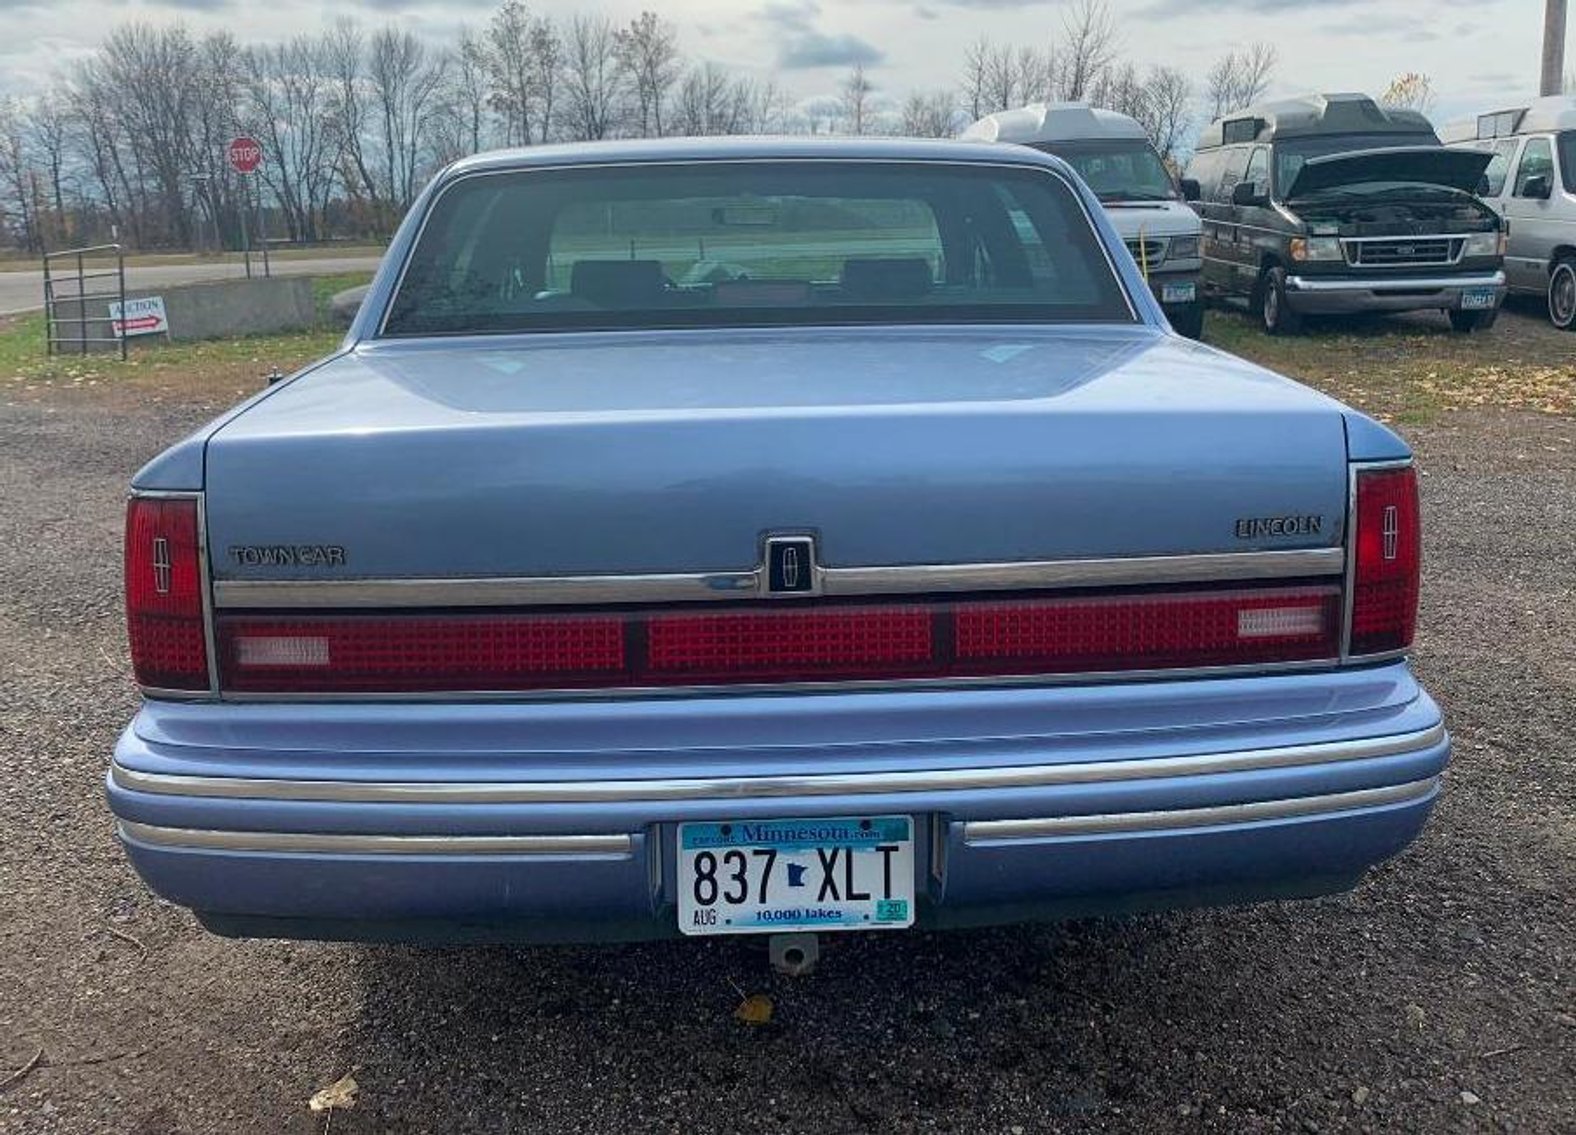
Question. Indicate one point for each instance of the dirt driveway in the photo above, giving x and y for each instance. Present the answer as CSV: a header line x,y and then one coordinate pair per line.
x,y
1439,996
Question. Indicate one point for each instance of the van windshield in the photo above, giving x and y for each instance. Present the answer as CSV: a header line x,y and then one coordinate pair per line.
x,y
714,243
1293,152
1117,169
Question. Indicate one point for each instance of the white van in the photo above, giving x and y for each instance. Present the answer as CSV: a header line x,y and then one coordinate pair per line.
x,y
1531,182
1112,153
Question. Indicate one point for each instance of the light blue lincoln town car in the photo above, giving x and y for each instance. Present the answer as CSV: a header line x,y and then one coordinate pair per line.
x,y
771,536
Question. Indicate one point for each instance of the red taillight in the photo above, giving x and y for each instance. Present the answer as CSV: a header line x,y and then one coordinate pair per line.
x,y
1150,632
164,609
401,653
827,642
1386,576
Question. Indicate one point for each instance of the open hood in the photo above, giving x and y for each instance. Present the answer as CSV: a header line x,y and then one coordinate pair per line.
x,y
1419,165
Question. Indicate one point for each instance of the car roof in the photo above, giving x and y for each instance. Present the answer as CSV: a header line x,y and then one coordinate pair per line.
x,y
1054,122
749,148
1540,116
1308,116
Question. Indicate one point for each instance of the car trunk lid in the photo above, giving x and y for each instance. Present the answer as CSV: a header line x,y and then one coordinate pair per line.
x,y
678,452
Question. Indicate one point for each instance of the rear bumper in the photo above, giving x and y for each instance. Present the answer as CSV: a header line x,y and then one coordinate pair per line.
x,y
556,822
1338,295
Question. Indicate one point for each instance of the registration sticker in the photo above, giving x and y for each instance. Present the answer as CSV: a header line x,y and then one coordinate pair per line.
x,y
775,876
1178,293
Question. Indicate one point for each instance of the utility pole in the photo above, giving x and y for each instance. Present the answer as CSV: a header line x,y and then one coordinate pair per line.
x,y
1553,82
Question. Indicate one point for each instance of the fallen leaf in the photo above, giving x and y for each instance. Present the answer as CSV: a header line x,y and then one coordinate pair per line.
x,y
755,1009
342,1093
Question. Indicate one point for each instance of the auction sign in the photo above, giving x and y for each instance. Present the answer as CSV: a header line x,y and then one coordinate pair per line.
x,y
244,154
139,317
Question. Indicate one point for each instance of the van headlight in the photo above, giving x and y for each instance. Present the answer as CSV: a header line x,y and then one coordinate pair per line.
x,y
1183,248
1316,248
1485,244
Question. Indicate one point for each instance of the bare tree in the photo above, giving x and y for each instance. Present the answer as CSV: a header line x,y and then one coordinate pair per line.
x,y
649,55
290,94
461,120
929,115
1089,48
1168,114
1239,78
509,58
547,67
709,102
404,84
1119,88
593,80
344,53
855,97
48,126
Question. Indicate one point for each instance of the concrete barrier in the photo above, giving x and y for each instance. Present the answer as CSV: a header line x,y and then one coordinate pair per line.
x,y
217,309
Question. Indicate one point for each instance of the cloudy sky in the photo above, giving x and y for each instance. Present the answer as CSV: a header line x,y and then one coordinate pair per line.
x,y
1478,52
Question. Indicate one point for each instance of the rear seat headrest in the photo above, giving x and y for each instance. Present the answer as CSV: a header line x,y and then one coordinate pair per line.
x,y
617,283
887,279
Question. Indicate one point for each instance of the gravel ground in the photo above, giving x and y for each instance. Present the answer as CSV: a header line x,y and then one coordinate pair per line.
x,y
1439,996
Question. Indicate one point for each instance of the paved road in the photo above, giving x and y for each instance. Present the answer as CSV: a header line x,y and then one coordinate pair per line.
x,y
24,291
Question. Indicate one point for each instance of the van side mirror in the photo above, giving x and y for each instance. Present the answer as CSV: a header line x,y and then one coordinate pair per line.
x,y
1190,189
1539,186
1249,193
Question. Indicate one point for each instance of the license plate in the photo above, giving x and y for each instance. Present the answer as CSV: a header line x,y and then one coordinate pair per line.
x,y
1476,299
774,876
1177,293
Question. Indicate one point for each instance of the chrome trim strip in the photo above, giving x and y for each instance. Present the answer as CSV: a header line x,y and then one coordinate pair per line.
x,y
979,832
355,844
763,787
532,591
829,686
1399,283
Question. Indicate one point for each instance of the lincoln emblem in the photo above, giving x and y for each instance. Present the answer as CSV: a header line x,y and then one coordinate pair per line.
x,y
790,565
790,568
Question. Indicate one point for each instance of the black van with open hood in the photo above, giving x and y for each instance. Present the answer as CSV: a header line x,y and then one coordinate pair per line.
x,y
1332,204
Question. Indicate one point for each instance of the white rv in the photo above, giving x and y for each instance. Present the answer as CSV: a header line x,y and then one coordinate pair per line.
x,y
1531,182
1112,153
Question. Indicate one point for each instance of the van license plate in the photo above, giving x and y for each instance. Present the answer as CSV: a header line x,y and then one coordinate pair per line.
x,y
1177,293
1477,299
773,876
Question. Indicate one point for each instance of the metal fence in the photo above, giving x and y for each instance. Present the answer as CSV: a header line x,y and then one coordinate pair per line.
x,y
77,281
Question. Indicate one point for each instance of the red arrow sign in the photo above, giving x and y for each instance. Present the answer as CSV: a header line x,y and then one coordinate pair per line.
x,y
138,323
244,154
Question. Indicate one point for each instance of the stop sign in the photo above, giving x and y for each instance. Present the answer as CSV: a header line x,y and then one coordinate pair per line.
x,y
245,154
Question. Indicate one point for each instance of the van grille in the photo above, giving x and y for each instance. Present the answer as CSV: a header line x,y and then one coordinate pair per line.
x,y
1404,251
1151,249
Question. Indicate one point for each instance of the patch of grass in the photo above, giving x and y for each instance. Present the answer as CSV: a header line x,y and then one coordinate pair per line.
x,y
1409,370
225,362
325,288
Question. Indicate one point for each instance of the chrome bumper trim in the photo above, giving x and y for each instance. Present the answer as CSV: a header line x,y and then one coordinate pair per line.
x,y
1392,284
765,787
912,579
1009,831
196,839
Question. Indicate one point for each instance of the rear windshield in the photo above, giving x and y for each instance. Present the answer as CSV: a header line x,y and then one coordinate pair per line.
x,y
1117,170
737,244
